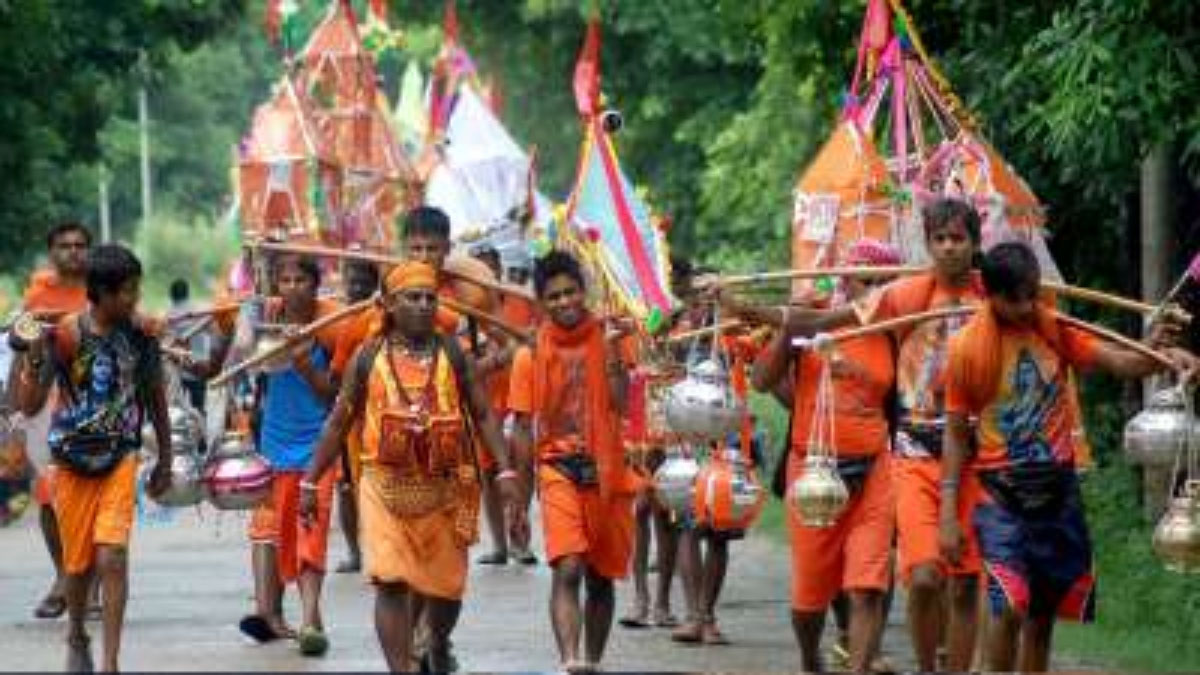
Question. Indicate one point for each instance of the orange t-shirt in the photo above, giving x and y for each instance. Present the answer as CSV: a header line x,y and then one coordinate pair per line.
x,y
861,378
47,293
568,434
1030,418
921,358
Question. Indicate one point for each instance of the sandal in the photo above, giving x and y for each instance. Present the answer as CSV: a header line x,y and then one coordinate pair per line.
x,y
689,633
638,617
349,566
313,641
526,557
51,607
79,654
261,630
663,618
495,558
711,635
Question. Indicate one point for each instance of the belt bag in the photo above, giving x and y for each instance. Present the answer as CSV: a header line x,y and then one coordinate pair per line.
x,y
91,454
854,472
579,469
1029,489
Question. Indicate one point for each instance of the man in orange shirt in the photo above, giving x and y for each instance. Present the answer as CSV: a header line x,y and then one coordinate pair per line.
x,y
52,292
952,238
854,553
1009,370
572,385
413,390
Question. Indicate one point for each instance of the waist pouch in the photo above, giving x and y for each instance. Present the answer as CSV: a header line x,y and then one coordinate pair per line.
x,y
579,469
1030,489
91,454
854,472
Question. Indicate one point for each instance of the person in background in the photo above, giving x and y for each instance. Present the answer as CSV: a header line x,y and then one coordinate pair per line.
x,y
52,292
362,281
198,344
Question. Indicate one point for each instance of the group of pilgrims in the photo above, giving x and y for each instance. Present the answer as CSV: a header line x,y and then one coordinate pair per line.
x,y
956,438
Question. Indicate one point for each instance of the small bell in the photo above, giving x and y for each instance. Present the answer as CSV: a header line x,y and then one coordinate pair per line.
x,y
1177,536
818,495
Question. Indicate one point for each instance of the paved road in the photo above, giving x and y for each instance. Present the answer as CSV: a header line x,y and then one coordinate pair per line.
x,y
191,582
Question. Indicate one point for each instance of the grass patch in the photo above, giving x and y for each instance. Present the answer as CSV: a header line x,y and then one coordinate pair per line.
x,y
772,418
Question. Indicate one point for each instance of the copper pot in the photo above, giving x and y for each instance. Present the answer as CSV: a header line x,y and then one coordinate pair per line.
x,y
819,495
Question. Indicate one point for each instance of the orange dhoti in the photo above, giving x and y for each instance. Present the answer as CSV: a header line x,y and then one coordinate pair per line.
x,y
426,553
918,503
94,511
853,554
578,521
278,522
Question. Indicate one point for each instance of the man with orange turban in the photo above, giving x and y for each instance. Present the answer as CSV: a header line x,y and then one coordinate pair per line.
x,y
419,402
572,385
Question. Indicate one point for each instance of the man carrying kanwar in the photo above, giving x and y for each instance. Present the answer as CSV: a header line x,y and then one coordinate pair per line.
x,y
107,365
571,386
420,402
1008,371
53,291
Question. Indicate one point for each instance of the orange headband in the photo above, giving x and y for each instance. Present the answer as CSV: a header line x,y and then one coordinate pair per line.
x,y
410,275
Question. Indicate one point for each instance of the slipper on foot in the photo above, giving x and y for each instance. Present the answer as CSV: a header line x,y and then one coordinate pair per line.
x,y
51,607
312,641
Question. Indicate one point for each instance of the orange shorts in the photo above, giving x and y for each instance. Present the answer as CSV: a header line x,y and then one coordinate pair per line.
x,y
278,522
94,511
43,487
853,554
918,501
578,521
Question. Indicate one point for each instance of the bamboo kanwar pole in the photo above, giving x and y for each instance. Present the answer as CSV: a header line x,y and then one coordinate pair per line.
x,y
384,259
1098,297
707,330
1113,336
880,327
347,312
861,272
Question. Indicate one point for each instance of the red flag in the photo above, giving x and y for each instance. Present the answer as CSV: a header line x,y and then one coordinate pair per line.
x,y
379,9
273,19
587,72
450,24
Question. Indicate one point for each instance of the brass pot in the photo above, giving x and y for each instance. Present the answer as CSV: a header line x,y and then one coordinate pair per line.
x,y
1177,536
818,496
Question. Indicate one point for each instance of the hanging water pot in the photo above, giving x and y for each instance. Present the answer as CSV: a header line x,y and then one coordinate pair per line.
x,y
1177,535
702,406
237,477
728,494
1156,435
675,481
819,495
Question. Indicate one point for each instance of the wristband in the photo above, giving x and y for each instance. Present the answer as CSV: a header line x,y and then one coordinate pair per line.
x,y
506,474
307,486
949,483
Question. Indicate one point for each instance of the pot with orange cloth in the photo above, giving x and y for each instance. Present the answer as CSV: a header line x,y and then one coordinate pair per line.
x,y
728,495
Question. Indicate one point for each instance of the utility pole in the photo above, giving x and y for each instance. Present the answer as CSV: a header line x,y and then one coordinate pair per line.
x,y
144,133
105,223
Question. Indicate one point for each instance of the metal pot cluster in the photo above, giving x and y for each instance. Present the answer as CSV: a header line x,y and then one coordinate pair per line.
x,y
1157,434
818,495
187,437
702,407
236,477
1177,536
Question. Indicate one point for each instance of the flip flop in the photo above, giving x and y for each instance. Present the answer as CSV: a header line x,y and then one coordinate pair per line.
x,y
257,628
713,635
635,619
689,633
526,558
349,566
493,559
665,619
51,607
312,641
